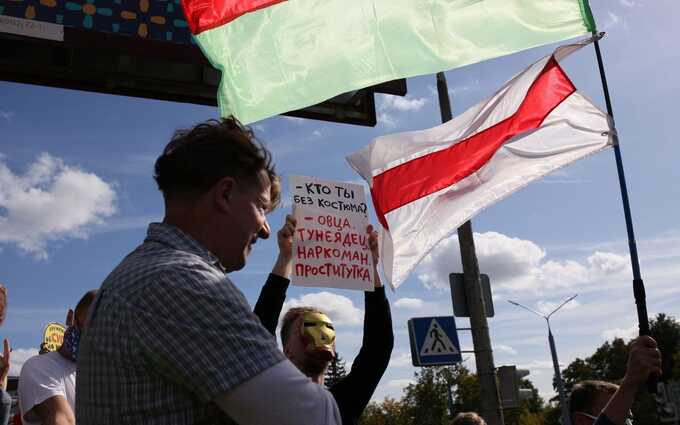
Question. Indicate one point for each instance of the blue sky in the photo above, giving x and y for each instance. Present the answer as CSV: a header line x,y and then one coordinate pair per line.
x,y
76,194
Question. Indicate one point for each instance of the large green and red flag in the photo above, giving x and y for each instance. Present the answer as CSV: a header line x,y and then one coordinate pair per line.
x,y
281,55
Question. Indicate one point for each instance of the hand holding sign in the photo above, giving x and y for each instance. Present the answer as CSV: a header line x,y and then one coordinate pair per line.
x,y
330,246
375,253
284,263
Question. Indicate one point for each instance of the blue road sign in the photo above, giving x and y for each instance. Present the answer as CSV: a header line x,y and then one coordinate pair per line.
x,y
434,341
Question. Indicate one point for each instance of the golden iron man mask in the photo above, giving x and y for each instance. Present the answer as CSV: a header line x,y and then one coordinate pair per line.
x,y
318,334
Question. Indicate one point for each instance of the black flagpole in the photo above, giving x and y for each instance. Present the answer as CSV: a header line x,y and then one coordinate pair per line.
x,y
638,284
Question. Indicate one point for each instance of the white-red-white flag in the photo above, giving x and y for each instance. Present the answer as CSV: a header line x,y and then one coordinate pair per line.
x,y
425,184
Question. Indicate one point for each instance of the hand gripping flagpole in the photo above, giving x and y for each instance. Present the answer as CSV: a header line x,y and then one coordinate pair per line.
x,y
638,284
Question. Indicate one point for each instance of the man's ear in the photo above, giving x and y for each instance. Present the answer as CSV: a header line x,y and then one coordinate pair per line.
x,y
223,193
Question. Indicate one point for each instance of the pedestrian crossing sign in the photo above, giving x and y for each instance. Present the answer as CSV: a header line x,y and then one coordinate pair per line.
x,y
434,341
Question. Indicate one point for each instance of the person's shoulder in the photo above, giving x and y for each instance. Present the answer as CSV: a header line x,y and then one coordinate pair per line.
x,y
50,364
152,262
53,358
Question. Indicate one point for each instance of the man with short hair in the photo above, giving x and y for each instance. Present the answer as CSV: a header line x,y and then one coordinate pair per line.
x,y
468,418
603,403
588,398
171,339
47,385
308,335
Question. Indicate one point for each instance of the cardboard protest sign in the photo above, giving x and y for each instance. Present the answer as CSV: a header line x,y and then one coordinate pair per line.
x,y
330,247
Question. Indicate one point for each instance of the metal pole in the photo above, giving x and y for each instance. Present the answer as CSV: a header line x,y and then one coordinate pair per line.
x,y
566,420
638,284
490,408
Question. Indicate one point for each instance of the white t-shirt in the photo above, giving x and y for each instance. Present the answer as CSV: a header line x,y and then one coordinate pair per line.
x,y
42,377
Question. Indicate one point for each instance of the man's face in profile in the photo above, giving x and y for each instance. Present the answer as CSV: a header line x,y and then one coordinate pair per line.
x,y
248,205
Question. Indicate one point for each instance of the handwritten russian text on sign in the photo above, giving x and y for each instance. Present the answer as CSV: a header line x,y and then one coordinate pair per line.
x,y
330,247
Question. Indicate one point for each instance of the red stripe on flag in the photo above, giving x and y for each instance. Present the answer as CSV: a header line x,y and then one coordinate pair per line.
x,y
203,15
430,173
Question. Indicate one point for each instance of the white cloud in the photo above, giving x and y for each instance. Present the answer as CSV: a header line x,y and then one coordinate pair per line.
x,y
6,115
546,307
516,264
339,308
629,3
625,333
608,263
408,303
389,102
470,85
539,364
387,120
400,383
317,133
50,201
506,349
260,127
611,21
400,360
18,357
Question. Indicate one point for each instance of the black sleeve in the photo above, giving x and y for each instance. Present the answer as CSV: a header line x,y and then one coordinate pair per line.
x,y
269,304
354,391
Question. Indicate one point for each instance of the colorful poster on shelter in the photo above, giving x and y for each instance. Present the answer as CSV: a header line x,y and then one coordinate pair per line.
x,y
330,247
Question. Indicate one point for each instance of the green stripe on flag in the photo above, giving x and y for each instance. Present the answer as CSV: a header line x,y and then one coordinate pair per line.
x,y
301,52
587,15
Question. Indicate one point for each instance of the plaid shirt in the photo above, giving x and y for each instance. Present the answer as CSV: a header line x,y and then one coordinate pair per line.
x,y
167,334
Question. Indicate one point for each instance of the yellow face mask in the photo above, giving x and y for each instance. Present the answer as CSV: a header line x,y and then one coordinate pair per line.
x,y
318,333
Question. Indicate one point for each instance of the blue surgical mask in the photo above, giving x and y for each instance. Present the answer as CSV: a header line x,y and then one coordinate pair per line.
x,y
71,342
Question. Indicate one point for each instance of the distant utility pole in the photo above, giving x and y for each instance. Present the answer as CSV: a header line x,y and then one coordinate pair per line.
x,y
489,399
553,352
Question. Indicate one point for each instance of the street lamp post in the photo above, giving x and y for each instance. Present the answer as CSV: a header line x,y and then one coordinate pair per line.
x,y
553,352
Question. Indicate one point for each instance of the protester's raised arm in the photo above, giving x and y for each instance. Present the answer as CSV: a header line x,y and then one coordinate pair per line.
x,y
281,395
284,263
273,294
644,359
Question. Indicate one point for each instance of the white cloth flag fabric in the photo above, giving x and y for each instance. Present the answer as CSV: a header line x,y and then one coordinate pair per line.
x,y
425,184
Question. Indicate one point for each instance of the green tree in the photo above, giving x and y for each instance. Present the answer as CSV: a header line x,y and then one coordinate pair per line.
x,y
335,372
425,402
666,332
389,412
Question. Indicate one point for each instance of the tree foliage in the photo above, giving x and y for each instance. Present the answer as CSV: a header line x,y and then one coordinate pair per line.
x,y
335,372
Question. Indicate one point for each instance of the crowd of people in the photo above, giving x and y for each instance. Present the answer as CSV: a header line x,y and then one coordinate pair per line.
x,y
169,339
